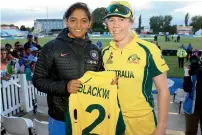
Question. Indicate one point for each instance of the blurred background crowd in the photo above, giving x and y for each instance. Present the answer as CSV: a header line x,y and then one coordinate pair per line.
x,y
20,59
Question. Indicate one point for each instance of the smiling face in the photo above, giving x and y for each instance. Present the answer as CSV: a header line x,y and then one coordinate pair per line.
x,y
8,47
3,54
119,27
17,46
78,24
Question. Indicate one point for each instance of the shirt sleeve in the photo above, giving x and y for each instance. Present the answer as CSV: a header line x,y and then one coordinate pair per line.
x,y
158,64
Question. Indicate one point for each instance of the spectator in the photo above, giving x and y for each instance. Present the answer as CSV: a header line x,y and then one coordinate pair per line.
x,y
193,101
36,41
189,51
16,54
155,38
21,51
178,38
27,58
8,47
13,66
166,37
99,44
27,52
9,56
32,65
183,47
3,56
172,37
29,43
33,54
24,54
195,52
21,59
28,72
17,45
4,62
181,54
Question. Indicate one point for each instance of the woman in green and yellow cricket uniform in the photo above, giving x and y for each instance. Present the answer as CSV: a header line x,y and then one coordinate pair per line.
x,y
137,63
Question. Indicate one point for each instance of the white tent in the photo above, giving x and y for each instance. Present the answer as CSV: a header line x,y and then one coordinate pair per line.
x,y
199,32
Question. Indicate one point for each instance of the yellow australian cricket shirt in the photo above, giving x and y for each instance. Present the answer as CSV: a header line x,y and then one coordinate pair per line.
x,y
94,109
136,64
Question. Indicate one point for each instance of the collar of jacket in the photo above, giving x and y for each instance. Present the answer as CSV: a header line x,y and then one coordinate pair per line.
x,y
63,35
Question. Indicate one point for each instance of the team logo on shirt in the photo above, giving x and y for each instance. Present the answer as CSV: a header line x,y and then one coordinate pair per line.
x,y
110,61
134,59
94,54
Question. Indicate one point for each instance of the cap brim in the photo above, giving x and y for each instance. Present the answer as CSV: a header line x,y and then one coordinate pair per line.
x,y
116,14
34,50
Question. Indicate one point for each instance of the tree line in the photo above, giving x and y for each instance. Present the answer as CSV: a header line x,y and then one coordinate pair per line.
x,y
163,23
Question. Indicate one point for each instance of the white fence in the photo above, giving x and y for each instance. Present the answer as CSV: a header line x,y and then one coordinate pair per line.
x,y
17,95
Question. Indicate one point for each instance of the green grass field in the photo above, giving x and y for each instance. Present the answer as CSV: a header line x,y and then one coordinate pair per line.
x,y
171,60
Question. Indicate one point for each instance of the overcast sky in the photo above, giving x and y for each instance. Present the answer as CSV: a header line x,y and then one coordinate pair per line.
x,y
24,12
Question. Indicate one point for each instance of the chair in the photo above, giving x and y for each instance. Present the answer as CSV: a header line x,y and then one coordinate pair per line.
x,y
40,127
17,125
42,106
178,97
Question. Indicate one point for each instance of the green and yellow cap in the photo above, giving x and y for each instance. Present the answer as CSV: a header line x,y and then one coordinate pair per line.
x,y
119,8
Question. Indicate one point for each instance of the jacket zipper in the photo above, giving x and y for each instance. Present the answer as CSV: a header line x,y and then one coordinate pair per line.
x,y
81,61
80,58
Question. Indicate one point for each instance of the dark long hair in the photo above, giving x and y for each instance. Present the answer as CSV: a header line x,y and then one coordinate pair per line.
x,y
78,5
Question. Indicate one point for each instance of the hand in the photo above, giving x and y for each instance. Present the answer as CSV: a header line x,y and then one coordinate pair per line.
x,y
115,81
186,67
26,62
186,70
5,78
73,86
159,131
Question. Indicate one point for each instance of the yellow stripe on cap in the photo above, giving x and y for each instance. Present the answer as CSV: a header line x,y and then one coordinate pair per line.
x,y
124,3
